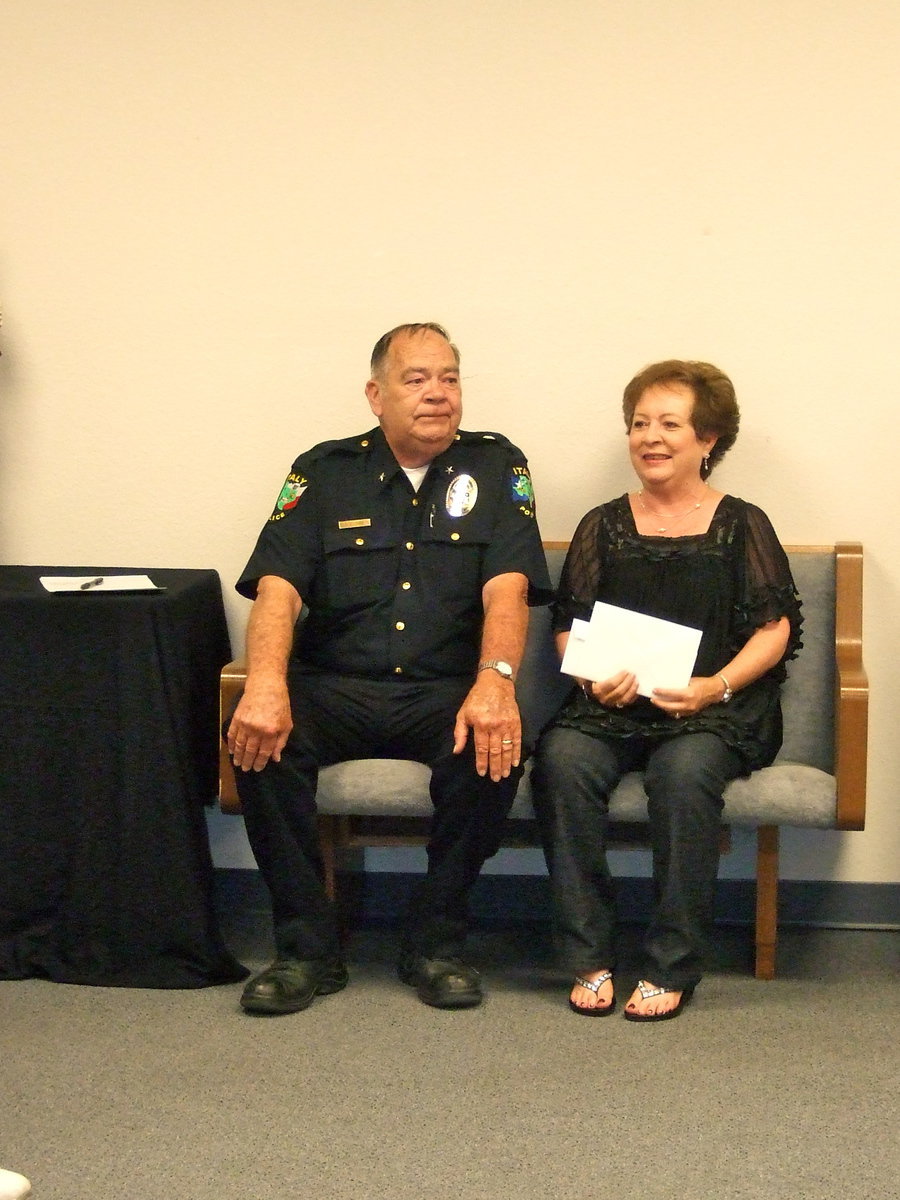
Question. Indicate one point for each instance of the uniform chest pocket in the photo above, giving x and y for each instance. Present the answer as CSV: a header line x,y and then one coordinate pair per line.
x,y
360,564
454,547
473,529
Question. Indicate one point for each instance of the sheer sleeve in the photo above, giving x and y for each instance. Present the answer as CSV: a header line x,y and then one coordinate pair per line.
x,y
769,591
580,576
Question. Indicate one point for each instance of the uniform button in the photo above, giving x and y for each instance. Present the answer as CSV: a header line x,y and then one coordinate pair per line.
x,y
410,545
360,541
406,585
454,537
364,442
400,625
415,501
398,670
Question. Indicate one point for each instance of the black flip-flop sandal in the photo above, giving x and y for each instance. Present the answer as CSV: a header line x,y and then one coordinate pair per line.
x,y
593,985
648,992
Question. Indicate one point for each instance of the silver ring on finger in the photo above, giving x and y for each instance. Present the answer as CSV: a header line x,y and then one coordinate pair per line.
x,y
506,742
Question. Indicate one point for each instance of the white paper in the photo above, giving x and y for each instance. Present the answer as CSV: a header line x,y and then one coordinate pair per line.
x,y
109,583
660,653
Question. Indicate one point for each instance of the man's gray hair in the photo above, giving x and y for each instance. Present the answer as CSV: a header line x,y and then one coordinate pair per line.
x,y
383,345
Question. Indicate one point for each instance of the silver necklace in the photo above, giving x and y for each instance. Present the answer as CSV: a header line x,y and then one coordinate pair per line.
x,y
674,520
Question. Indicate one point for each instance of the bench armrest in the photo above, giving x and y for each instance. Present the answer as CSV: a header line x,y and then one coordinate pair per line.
x,y
234,676
851,701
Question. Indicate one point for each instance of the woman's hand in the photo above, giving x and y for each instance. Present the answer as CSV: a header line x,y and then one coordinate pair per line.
x,y
615,692
762,650
702,691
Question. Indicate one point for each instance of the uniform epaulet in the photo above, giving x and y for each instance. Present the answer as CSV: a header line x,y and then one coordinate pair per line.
x,y
357,444
470,437
485,438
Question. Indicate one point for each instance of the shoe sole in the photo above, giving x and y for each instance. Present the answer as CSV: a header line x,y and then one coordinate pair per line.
x,y
325,987
602,1010
439,999
450,1000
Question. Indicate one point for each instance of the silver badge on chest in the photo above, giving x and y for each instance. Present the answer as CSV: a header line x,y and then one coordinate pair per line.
x,y
461,496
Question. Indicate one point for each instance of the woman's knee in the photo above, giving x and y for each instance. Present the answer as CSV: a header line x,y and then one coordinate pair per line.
x,y
691,768
565,758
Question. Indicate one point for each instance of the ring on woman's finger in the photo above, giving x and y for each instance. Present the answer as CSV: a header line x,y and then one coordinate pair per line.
x,y
506,742
620,705
677,716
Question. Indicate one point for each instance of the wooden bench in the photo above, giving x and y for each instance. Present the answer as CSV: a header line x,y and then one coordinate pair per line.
x,y
818,780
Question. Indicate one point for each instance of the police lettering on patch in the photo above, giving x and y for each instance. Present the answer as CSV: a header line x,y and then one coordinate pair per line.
x,y
294,487
522,490
461,496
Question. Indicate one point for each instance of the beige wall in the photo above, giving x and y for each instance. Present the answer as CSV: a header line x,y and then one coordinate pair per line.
x,y
211,208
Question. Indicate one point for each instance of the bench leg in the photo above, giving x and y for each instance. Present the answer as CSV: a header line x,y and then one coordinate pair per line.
x,y
766,900
327,840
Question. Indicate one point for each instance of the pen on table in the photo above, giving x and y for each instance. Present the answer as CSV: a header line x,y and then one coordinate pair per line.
x,y
92,583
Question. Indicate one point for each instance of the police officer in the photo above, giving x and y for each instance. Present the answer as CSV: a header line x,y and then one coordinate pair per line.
x,y
414,552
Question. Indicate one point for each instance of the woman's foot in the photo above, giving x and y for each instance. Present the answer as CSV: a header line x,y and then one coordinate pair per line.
x,y
651,1003
592,994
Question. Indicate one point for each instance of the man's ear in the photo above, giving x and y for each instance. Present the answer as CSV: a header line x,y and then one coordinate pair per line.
x,y
373,395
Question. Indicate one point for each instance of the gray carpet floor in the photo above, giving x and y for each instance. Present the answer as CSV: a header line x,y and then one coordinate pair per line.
x,y
780,1089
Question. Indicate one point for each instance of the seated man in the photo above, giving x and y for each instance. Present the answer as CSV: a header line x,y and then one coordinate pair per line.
x,y
415,549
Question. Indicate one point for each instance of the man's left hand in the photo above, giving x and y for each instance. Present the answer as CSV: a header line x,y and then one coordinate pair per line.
x,y
491,712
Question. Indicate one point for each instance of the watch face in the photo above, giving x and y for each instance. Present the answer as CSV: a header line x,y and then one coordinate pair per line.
x,y
498,665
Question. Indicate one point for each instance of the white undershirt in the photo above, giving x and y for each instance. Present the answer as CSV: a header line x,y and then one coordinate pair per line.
x,y
415,475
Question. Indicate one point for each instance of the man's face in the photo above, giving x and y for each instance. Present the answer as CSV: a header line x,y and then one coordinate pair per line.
x,y
417,397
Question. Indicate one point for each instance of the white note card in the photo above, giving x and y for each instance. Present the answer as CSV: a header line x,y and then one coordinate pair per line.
x,y
99,583
660,653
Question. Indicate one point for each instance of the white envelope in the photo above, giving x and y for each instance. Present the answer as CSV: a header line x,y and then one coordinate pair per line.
x,y
660,653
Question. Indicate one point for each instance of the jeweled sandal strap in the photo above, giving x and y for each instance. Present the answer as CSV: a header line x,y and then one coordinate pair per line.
x,y
594,985
648,992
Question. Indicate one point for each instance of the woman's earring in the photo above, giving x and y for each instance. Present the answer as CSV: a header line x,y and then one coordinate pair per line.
x,y
705,465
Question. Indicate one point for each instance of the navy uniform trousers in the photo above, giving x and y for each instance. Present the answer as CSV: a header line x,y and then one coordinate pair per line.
x,y
337,718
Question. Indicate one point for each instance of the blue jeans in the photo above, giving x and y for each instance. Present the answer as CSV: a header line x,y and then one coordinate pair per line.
x,y
684,777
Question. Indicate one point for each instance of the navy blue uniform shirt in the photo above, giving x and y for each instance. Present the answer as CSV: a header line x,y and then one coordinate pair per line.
x,y
392,578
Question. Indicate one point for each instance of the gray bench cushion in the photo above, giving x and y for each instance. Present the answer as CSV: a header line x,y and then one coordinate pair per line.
x,y
798,789
786,794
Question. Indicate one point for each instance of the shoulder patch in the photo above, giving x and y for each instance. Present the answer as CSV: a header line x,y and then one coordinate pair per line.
x,y
522,489
294,487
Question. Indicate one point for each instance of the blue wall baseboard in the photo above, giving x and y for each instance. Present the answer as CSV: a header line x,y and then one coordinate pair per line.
x,y
377,897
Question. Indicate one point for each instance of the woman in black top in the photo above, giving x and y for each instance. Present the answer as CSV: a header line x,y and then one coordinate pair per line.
x,y
680,550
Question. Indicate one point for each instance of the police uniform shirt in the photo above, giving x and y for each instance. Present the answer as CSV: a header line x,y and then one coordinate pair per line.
x,y
393,577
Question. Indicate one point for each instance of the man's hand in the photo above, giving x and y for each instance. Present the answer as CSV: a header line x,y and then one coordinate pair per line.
x,y
491,712
260,726
262,720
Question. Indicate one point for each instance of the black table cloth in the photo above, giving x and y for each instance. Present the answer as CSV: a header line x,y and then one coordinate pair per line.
x,y
108,754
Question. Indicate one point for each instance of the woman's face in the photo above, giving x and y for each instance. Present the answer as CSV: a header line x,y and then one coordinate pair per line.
x,y
663,444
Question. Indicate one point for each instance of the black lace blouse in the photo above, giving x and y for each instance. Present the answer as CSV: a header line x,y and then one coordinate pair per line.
x,y
729,582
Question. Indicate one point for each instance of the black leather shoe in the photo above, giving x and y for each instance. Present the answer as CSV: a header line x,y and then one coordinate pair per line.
x,y
291,985
442,982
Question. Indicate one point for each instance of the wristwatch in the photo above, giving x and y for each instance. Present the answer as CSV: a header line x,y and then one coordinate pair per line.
x,y
498,665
